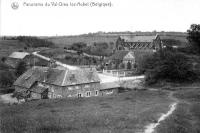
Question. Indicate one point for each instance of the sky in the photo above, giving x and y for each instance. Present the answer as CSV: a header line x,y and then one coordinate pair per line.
x,y
123,15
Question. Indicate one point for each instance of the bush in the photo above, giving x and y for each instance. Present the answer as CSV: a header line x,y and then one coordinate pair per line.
x,y
172,66
6,78
35,42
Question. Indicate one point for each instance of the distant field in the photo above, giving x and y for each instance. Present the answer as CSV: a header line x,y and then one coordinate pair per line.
x,y
63,41
9,46
69,40
124,113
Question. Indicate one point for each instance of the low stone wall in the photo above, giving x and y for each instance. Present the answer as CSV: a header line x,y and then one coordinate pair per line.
x,y
119,73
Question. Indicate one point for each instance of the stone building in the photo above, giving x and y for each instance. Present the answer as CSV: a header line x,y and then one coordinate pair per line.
x,y
134,42
45,82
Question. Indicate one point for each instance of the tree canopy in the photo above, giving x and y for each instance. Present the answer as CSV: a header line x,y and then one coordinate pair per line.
x,y
173,66
6,78
194,36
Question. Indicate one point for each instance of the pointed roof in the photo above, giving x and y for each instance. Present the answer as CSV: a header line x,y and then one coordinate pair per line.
x,y
119,55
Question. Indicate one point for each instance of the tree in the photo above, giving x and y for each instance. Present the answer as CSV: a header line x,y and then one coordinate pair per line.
x,y
6,78
173,67
129,66
21,68
121,65
3,59
194,36
79,46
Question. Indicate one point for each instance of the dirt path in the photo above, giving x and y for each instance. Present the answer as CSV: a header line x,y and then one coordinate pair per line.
x,y
152,126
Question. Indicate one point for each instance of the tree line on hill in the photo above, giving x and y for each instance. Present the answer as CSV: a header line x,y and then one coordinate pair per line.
x,y
97,48
35,42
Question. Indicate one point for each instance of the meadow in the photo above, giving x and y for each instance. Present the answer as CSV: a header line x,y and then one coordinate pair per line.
x,y
186,118
89,39
122,113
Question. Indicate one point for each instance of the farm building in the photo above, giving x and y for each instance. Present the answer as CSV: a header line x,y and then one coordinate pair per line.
x,y
13,59
45,82
134,42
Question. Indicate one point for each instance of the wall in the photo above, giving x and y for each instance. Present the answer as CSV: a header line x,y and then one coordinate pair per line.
x,y
71,91
106,92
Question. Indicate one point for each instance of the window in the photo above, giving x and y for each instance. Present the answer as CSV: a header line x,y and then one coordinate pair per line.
x,y
79,95
88,93
96,93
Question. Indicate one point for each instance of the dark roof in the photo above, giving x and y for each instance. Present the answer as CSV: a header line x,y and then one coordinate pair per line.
x,y
59,77
134,38
109,85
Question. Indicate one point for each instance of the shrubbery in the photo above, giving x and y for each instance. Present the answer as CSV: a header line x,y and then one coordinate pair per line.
x,y
172,66
6,78
35,42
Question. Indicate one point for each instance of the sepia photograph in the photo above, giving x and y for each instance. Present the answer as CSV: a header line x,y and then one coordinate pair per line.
x,y
99,66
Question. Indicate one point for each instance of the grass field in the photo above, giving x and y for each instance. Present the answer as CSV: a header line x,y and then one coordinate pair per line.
x,y
9,46
186,118
63,41
124,113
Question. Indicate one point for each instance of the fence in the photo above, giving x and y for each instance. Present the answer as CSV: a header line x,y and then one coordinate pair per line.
x,y
119,73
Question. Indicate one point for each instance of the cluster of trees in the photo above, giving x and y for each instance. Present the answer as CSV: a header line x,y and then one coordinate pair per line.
x,y
97,48
194,37
8,76
80,60
173,65
35,42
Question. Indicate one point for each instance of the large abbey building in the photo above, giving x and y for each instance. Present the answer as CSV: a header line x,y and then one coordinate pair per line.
x,y
134,42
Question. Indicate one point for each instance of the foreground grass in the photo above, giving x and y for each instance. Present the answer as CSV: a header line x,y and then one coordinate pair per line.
x,y
126,112
186,118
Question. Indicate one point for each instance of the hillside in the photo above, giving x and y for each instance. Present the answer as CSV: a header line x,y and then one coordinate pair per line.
x,y
9,46
123,113
63,41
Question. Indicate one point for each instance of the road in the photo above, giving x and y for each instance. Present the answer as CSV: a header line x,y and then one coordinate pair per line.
x,y
70,67
104,78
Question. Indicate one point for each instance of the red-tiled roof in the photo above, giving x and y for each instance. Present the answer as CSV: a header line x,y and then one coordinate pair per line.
x,y
60,77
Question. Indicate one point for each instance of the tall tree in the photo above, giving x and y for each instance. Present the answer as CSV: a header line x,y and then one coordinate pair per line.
x,y
6,78
194,36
